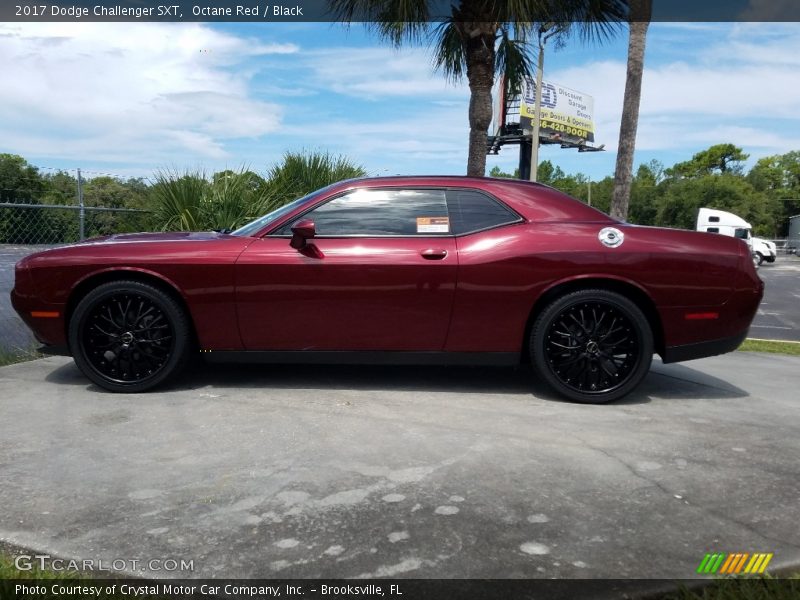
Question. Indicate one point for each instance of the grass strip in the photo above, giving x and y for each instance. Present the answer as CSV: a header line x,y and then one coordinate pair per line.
x,y
771,346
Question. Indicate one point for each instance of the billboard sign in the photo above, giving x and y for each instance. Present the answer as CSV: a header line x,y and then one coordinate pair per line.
x,y
565,113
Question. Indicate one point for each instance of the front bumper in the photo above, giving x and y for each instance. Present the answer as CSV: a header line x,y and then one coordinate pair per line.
x,y
49,330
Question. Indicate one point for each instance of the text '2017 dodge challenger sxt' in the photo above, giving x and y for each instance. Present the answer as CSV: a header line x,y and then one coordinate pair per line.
x,y
405,270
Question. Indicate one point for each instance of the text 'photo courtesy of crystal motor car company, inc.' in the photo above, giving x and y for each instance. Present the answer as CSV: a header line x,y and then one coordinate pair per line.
x,y
401,270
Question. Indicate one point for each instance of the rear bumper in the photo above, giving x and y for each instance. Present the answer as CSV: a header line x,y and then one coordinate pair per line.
x,y
703,349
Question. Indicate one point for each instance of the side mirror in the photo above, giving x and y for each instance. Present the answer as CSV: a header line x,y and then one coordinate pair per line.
x,y
302,231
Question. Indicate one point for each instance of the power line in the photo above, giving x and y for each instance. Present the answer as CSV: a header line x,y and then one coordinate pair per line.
x,y
83,171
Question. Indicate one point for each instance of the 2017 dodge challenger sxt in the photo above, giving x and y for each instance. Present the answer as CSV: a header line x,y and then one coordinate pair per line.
x,y
446,270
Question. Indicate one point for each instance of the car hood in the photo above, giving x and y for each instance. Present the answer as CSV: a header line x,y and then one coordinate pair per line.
x,y
171,236
105,245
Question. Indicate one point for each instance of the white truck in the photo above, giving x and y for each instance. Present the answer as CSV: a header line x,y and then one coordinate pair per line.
x,y
712,220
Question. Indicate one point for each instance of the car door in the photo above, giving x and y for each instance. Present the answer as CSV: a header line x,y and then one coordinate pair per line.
x,y
381,275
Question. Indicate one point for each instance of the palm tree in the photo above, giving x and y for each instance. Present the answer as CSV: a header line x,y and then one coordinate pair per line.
x,y
479,39
640,11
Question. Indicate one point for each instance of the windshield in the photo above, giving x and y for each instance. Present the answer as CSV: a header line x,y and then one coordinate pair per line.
x,y
254,226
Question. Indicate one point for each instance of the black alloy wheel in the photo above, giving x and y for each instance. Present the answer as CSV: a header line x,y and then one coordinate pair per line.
x,y
128,336
592,346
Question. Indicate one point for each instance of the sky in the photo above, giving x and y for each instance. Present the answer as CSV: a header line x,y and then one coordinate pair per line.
x,y
130,99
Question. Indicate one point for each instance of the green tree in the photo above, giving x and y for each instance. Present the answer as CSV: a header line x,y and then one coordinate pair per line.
x,y
778,176
682,198
60,188
19,181
602,192
498,172
547,173
721,158
109,192
643,209
479,39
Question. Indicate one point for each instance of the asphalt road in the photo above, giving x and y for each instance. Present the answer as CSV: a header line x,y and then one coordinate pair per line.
x,y
306,472
14,335
778,316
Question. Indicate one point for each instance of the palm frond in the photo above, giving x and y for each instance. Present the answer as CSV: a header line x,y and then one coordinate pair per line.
x,y
512,58
177,199
396,21
300,173
450,55
523,11
228,203
593,20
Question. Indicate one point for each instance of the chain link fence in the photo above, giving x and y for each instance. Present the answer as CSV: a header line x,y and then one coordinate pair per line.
x,y
28,228
63,224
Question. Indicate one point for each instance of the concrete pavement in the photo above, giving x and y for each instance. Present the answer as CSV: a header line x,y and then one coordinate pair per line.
x,y
305,472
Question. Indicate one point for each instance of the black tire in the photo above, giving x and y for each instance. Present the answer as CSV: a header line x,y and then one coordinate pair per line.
x,y
760,258
128,336
592,346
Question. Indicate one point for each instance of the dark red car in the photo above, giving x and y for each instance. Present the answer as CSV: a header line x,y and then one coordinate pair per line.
x,y
406,270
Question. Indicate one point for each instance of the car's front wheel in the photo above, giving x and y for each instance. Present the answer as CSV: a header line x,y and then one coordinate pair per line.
x,y
759,258
128,336
592,346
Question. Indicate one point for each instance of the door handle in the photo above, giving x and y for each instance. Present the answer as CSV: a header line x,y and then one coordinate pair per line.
x,y
434,253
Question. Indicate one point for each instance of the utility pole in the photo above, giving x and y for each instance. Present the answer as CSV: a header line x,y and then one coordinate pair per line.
x,y
81,210
545,32
589,183
537,111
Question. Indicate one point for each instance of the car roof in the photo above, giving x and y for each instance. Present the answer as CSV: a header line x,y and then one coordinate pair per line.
x,y
535,201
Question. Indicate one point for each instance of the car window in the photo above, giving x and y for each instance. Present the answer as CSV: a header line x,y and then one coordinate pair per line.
x,y
381,212
712,229
471,210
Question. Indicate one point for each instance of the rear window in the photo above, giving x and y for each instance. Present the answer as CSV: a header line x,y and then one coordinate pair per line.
x,y
472,211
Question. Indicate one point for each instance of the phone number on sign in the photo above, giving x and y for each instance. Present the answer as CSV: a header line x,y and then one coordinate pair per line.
x,y
565,128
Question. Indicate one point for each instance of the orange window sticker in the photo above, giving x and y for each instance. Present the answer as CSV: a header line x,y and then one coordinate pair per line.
x,y
433,224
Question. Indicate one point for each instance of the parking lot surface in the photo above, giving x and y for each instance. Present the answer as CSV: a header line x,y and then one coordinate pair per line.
x,y
305,472
14,334
778,315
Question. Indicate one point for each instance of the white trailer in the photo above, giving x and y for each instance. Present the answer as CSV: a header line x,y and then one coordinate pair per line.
x,y
794,234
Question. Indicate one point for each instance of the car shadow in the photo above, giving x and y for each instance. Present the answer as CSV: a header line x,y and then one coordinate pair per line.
x,y
664,382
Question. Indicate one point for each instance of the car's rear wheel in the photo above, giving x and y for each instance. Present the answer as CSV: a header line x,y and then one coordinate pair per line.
x,y
592,346
128,336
